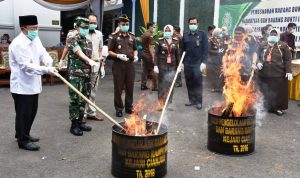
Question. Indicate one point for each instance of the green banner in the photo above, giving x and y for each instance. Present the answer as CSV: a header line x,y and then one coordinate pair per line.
x,y
231,15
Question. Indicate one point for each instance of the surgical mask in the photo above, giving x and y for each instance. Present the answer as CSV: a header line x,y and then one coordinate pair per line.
x,y
83,32
193,27
273,39
292,31
220,35
168,35
4,41
124,28
32,34
92,26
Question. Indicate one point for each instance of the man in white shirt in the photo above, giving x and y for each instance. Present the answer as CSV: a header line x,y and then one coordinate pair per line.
x,y
95,36
26,52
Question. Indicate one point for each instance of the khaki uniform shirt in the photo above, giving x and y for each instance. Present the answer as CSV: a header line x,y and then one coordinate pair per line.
x,y
280,63
121,44
162,51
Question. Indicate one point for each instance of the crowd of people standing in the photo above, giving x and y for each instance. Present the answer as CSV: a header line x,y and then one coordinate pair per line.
x,y
269,57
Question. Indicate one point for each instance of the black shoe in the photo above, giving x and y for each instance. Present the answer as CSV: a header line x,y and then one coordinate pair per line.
x,y
190,104
199,106
75,129
29,146
85,128
32,139
119,113
154,89
298,104
144,87
129,111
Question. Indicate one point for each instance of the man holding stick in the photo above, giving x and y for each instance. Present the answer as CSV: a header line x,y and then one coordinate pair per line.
x,y
26,52
80,68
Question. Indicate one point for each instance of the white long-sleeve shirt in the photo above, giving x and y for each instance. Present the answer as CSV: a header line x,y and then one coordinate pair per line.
x,y
25,57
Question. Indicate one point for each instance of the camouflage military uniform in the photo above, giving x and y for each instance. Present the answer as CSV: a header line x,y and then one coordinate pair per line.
x,y
79,73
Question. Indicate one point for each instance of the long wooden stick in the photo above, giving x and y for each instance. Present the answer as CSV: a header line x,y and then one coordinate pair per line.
x,y
169,94
250,79
87,100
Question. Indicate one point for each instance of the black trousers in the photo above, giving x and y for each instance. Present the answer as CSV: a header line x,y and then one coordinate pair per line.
x,y
193,79
26,108
124,75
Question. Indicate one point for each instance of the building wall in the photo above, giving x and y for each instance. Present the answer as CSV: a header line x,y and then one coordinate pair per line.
x,y
10,10
202,10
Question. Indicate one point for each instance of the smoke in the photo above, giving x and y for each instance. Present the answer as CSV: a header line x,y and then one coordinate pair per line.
x,y
260,111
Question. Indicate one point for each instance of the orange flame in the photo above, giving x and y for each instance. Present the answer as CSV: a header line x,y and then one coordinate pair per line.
x,y
241,94
136,126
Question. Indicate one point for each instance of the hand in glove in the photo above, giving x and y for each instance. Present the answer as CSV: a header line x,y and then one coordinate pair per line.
x,y
182,67
102,59
202,67
52,70
156,70
60,64
289,76
92,63
259,65
221,50
102,72
135,58
123,57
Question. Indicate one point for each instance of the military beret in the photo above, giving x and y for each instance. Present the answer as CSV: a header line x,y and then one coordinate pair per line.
x,y
124,18
28,20
82,22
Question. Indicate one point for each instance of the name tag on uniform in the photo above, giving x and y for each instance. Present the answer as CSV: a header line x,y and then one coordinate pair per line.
x,y
169,59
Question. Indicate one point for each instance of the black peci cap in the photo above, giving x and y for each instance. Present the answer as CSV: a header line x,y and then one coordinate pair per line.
x,y
28,20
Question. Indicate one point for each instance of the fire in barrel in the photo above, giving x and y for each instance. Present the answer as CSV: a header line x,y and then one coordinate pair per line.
x,y
137,152
231,125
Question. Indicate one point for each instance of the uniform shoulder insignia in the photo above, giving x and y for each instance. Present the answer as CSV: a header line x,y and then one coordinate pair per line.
x,y
175,38
131,33
110,36
282,44
161,38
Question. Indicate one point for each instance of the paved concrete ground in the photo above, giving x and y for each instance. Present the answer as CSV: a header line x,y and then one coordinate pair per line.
x,y
277,152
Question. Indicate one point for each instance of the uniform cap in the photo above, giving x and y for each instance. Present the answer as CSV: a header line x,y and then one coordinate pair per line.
x,y
124,18
28,20
82,22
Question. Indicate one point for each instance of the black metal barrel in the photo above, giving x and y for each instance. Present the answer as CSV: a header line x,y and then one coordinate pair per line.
x,y
139,156
231,135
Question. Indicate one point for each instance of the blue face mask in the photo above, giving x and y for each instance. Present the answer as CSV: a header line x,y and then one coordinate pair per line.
x,y
83,32
32,34
193,27
273,39
168,35
124,28
92,26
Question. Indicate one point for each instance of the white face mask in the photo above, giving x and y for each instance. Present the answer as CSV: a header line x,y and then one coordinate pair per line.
x,y
292,31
